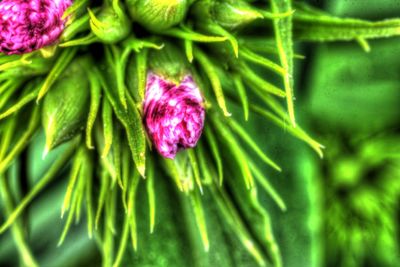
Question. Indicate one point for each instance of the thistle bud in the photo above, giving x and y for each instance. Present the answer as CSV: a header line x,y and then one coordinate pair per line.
x,y
158,15
173,108
169,62
229,14
234,14
110,26
66,104
26,26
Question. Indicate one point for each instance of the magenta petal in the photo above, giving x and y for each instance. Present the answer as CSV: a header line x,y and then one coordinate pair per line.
x,y
28,25
173,114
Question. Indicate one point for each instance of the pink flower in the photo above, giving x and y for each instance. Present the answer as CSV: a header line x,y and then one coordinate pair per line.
x,y
28,25
173,114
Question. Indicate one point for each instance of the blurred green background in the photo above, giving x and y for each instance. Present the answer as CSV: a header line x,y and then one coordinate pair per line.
x,y
342,210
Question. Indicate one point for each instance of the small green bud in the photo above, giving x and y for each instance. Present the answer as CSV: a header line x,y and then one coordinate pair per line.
x,y
158,15
66,105
110,26
234,14
169,63
229,14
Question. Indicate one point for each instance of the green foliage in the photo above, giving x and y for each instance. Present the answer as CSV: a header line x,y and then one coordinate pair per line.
x,y
221,205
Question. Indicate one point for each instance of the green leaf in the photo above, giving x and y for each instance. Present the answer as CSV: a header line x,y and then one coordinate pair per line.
x,y
22,142
297,131
233,219
260,177
151,195
284,43
253,145
262,61
95,98
237,80
108,129
198,211
236,151
104,192
189,50
62,62
18,232
11,87
141,61
187,34
132,122
65,107
257,82
86,40
77,26
311,24
132,209
76,5
212,75
195,167
76,167
117,152
212,141
47,178
7,89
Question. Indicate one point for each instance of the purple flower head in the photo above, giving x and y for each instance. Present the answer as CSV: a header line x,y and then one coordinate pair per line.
x,y
28,25
173,114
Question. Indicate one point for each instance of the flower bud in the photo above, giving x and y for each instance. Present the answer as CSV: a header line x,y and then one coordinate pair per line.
x,y
169,62
173,109
110,26
234,14
173,114
66,105
229,14
157,15
26,26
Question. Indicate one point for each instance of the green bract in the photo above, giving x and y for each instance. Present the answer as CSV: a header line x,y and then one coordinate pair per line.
x,y
65,106
169,63
158,15
110,26
229,14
